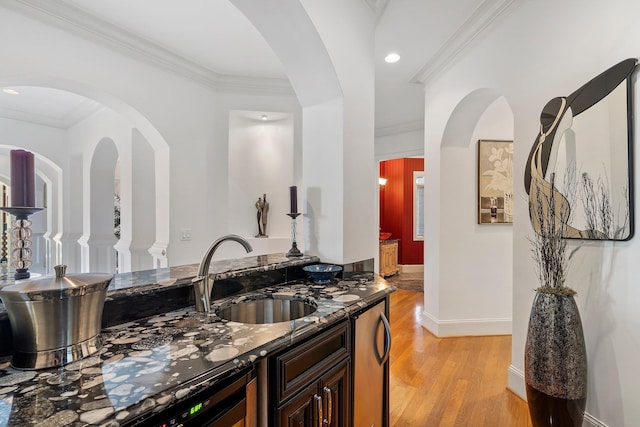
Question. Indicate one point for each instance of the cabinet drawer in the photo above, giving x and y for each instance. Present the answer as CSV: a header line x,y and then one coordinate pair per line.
x,y
296,368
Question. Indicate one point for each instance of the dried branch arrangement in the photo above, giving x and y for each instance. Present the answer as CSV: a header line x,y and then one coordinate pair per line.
x,y
552,209
551,215
598,210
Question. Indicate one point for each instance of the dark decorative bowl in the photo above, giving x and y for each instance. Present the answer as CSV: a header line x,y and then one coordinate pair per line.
x,y
322,273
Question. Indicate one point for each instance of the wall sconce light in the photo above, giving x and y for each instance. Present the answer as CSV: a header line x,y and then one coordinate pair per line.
x,y
382,182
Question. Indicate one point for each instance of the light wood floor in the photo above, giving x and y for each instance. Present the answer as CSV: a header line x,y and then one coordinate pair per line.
x,y
451,381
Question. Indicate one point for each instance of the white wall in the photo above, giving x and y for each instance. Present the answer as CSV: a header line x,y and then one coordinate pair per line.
x,y
539,51
218,170
260,162
49,142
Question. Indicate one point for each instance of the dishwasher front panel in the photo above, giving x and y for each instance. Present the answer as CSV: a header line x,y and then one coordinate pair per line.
x,y
370,354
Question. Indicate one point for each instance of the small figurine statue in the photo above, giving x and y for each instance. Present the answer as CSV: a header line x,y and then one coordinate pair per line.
x,y
263,211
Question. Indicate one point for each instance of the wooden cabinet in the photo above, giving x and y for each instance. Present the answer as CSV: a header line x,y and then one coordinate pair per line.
x,y
388,257
324,403
299,411
310,383
320,381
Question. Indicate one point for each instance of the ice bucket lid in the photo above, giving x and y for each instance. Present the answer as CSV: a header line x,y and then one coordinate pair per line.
x,y
59,287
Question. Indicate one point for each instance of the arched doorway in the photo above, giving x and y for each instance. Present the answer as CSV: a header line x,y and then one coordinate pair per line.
x,y
462,256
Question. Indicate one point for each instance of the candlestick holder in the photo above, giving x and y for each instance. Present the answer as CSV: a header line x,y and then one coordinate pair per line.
x,y
294,251
21,240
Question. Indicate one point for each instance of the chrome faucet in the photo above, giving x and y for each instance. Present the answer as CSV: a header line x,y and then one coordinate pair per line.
x,y
202,285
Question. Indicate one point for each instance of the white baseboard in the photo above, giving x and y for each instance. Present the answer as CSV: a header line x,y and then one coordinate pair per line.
x,y
465,327
593,421
516,384
411,268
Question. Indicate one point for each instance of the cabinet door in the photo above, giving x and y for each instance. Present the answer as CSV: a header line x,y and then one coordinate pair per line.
x,y
326,403
384,259
388,258
335,395
371,346
302,410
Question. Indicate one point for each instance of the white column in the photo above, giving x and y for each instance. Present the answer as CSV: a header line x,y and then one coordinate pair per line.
x,y
328,57
101,240
338,156
143,216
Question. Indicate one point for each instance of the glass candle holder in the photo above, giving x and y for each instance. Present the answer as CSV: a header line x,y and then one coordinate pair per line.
x,y
21,252
294,251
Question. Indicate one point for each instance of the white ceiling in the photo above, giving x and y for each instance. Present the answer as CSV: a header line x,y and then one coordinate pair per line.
x,y
213,38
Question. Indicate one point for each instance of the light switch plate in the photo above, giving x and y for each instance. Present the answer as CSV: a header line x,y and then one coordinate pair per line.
x,y
185,234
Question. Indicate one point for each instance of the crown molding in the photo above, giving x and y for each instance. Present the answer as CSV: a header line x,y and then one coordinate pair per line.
x,y
480,21
263,85
38,119
79,113
87,26
405,127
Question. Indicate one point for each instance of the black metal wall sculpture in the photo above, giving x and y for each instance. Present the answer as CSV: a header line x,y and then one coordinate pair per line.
x,y
586,138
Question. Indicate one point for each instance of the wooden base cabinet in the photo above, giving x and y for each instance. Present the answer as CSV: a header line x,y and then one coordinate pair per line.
x,y
338,378
388,257
325,403
310,384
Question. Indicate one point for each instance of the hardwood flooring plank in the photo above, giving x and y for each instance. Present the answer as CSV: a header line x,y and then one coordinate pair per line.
x,y
448,382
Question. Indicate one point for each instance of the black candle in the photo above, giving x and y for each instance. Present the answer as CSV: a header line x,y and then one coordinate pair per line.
x,y
23,179
293,198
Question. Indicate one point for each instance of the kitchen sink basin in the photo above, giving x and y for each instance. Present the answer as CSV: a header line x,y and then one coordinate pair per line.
x,y
265,310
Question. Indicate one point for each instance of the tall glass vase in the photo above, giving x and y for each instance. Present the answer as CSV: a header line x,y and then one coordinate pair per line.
x,y
555,362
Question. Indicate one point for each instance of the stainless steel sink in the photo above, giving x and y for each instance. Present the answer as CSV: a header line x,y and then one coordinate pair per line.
x,y
265,310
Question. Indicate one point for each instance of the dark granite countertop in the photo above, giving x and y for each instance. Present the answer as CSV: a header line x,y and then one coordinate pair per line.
x,y
150,363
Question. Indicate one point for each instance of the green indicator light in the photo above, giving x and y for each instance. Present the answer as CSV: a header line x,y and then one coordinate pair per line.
x,y
195,409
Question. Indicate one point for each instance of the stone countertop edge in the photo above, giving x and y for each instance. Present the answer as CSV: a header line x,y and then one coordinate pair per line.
x,y
145,282
148,281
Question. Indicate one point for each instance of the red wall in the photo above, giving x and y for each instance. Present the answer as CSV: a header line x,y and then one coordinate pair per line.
x,y
396,207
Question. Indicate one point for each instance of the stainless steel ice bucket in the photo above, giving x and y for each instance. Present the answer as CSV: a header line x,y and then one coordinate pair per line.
x,y
55,320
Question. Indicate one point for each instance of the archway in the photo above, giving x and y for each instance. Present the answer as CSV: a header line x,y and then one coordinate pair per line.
x,y
47,224
295,40
462,256
161,152
464,117
159,156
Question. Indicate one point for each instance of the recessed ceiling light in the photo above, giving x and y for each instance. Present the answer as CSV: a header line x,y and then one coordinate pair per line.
x,y
10,91
264,117
392,57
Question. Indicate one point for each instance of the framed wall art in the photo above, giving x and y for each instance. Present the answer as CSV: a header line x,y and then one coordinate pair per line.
x,y
585,142
495,182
